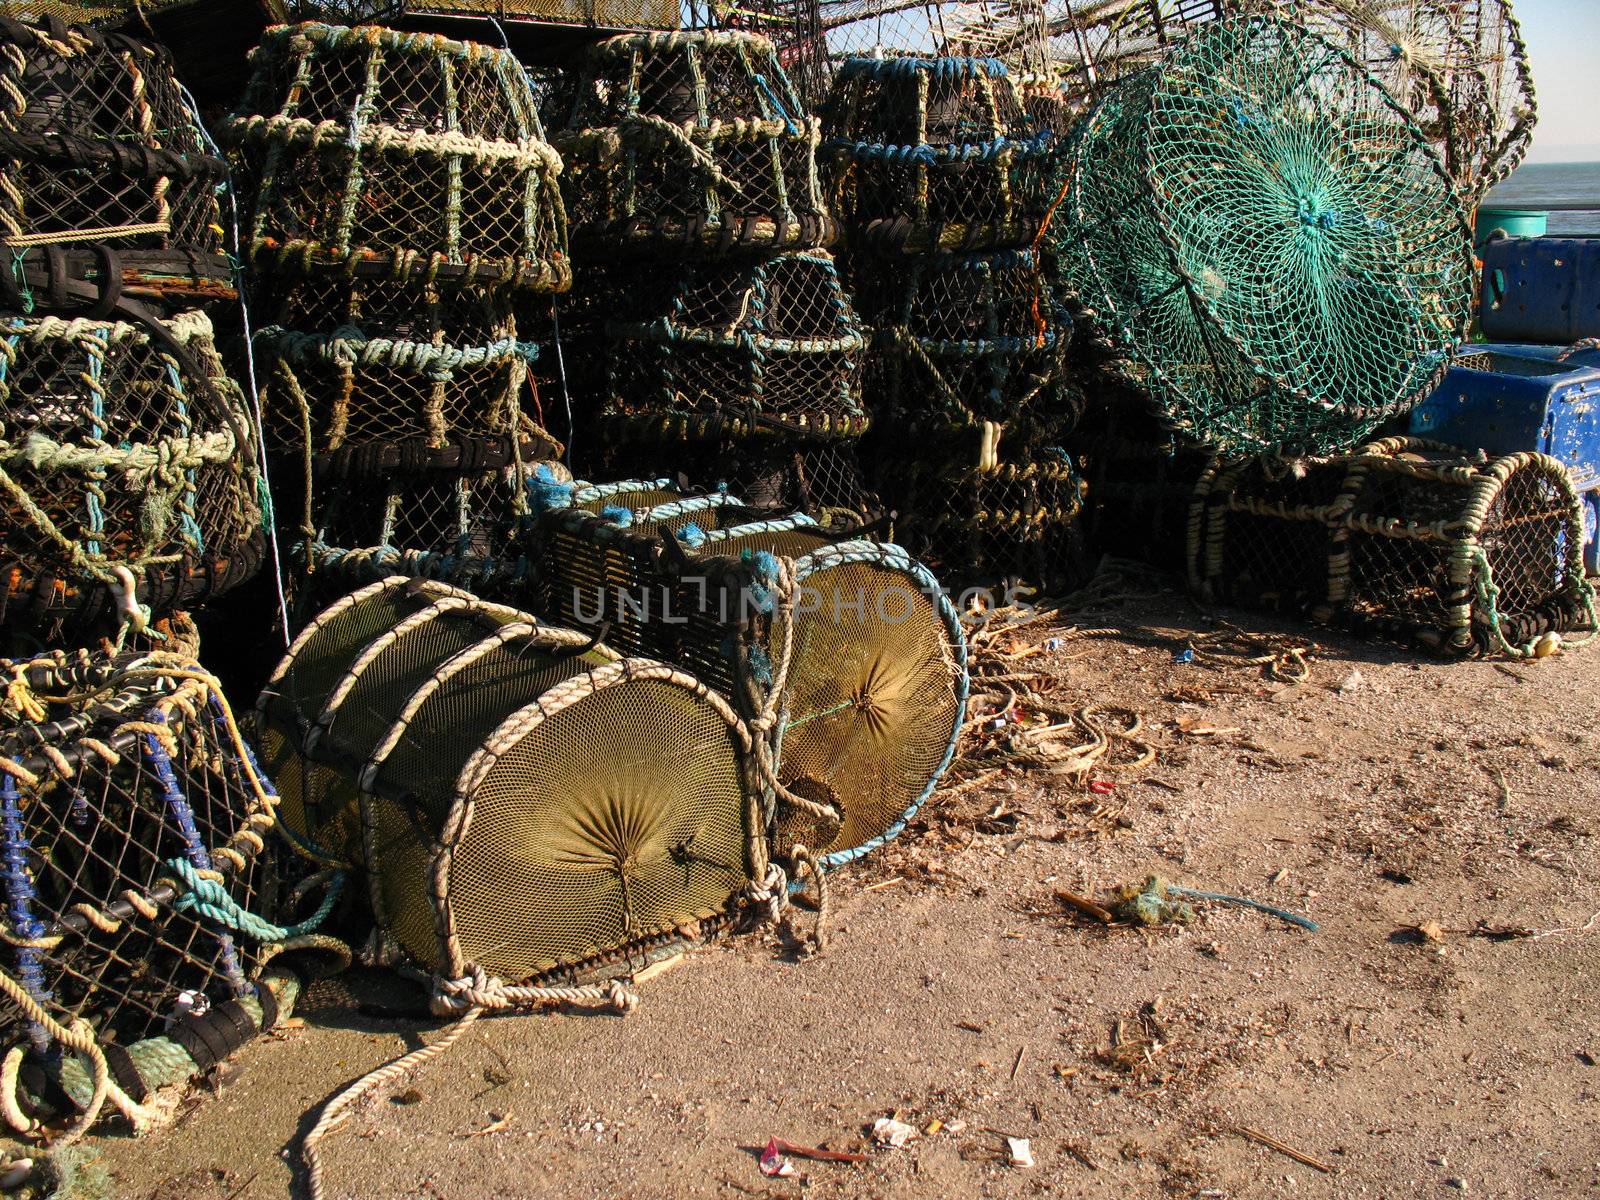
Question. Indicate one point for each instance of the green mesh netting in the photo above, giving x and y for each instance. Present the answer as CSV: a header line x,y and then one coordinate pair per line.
x,y
1269,238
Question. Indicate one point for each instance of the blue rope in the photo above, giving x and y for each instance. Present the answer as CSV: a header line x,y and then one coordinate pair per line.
x,y
19,901
692,535
210,899
617,515
1281,914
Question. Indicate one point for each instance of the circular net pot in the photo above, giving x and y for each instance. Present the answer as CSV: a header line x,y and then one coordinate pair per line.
x,y
384,364
1405,539
925,155
123,448
455,514
520,799
1300,308
690,144
967,339
738,352
122,776
104,187
406,156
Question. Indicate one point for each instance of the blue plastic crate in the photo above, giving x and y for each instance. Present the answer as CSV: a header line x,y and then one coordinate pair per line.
x,y
1509,398
1540,289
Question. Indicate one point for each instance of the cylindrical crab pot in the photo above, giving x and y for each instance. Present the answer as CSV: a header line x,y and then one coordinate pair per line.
x,y
126,798
690,144
526,801
104,189
934,154
129,466
404,156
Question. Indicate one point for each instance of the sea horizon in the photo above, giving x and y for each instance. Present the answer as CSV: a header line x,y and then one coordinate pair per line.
x,y
1569,191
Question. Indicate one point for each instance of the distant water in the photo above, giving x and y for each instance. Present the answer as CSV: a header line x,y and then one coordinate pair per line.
x,y
1574,187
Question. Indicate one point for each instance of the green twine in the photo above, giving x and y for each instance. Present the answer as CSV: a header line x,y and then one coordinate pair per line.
x,y
211,900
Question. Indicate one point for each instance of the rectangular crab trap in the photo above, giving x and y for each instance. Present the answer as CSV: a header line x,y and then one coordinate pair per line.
x,y
134,859
848,646
1407,539
690,143
527,806
105,190
931,154
128,472
403,156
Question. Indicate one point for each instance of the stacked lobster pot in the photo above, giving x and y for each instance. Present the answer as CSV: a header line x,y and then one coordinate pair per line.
x,y
699,221
399,194
126,460
842,652
940,179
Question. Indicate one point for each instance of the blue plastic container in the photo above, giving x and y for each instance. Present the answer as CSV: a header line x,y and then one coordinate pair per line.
x,y
1509,222
1507,398
1541,289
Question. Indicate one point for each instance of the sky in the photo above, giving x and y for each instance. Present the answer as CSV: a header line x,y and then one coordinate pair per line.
x,y
1563,39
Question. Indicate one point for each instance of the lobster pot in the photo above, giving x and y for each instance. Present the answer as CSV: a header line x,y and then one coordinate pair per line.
x,y
456,515
127,459
104,187
928,154
126,784
876,660
690,144
970,338
1414,540
530,15
521,799
409,157
740,353
977,506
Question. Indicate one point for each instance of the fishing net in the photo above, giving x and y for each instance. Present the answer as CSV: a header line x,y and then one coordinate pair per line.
x,y
626,14
127,467
523,802
133,828
104,189
965,339
410,157
738,352
1315,296
933,154
1407,539
873,686
690,143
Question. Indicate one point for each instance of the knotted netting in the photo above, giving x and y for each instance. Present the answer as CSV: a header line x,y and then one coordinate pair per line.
x,y
1405,538
134,857
690,143
407,156
1269,237
928,154
104,187
127,469
524,803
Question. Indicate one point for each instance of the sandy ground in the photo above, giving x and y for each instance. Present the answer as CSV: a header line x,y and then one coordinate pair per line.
x,y
965,992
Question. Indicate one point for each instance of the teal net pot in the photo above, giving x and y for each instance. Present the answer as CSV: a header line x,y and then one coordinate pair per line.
x,y
965,339
872,674
927,154
519,798
128,470
404,156
1310,300
690,144
1409,540
738,352
105,190
134,828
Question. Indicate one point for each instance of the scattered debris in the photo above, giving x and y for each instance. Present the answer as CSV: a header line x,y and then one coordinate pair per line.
x,y
1255,1135
1147,904
816,1153
1280,656
15,1173
1082,1155
886,1131
1432,931
773,1163
497,1124
1021,1152
1084,905
1353,682
1016,1065
409,1096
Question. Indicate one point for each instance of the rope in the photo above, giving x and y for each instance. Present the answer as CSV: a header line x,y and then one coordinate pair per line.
x,y
212,900
1221,897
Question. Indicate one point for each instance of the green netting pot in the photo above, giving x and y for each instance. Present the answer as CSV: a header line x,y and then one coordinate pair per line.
x,y
690,144
104,188
738,352
1317,294
874,681
933,154
126,782
1405,539
406,156
521,799
965,339
126,459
